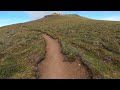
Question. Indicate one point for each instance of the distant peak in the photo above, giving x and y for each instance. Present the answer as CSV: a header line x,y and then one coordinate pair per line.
x,y
52,15
73,14
55,14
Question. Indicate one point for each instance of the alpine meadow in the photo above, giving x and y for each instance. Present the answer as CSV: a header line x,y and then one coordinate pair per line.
x,y
94,43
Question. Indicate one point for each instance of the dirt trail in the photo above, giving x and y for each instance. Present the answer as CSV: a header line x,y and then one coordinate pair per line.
x,y
54,66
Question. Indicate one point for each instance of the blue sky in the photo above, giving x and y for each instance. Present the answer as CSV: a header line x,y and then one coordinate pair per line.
x,y
13,17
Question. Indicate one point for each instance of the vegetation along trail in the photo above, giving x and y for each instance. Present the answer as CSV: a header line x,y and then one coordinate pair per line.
x,y
55,67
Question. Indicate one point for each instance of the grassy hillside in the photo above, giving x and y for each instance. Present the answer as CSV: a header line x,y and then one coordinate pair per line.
x,y
19,51
97,42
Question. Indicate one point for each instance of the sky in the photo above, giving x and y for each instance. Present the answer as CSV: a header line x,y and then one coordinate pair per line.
x,y
13,17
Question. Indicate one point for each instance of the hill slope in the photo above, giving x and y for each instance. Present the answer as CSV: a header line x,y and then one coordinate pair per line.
x,y
96,42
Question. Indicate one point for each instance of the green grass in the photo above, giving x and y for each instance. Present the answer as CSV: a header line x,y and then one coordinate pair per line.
x,y
69,50
97,41
9,67
20,45
99,67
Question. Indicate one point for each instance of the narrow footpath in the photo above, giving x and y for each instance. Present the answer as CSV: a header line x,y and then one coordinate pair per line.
x,y
54,66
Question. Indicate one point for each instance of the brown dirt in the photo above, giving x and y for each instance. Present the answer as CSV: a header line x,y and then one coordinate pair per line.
x,y
55,67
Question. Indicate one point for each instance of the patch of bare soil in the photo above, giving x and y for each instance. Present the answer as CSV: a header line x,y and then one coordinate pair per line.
x,y
55,67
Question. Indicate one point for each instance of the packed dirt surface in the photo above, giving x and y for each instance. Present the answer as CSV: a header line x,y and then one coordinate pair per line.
x,y
55,67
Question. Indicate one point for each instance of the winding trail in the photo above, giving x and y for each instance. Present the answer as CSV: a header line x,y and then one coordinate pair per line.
x,y
54,66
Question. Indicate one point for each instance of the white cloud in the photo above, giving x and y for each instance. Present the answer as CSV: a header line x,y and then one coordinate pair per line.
x,y
111,18
39,14
4,22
